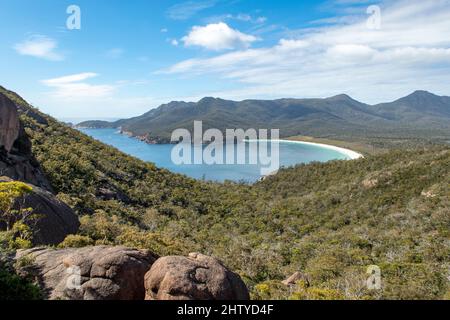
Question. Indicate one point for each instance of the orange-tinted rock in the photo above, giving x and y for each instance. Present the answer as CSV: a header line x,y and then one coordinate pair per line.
x,y
197,277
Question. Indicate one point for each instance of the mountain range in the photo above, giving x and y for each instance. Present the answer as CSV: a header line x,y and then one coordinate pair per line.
x,y
418,114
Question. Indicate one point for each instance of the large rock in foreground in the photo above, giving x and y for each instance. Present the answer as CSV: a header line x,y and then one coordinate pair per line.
x,y
91,273
55,219
197,277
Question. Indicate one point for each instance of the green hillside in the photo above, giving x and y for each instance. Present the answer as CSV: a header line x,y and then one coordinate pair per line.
x,y
329,221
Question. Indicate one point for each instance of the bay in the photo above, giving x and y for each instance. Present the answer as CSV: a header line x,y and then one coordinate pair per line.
x,y
290,154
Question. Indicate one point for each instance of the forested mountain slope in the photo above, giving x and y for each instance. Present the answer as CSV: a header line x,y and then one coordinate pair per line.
x,y
419,114
328,221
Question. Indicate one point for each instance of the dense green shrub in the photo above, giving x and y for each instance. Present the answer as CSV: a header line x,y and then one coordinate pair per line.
x,y
15,287
16,234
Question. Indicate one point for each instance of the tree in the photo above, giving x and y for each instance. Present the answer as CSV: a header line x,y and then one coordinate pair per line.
x,y
13,216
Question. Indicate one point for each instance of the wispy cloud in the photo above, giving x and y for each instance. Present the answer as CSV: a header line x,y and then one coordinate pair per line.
x,y
217,36
74,87
186,10
411,51
249,18
75,94
69,79
39,46
243,17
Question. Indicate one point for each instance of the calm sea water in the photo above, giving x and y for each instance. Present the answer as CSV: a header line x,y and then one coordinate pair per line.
x,y
290,154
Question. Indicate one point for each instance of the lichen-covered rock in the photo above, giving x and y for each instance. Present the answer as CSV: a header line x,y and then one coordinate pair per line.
x,y
90,273
197,277
53,220
9,123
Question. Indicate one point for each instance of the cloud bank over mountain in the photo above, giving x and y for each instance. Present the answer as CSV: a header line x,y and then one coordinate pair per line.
x,y
410,50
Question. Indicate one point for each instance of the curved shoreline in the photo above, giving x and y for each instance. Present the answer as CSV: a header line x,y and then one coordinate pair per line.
x,y
352,155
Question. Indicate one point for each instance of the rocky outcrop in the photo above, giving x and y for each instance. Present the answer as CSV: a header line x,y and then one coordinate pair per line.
x,y
9,123
53,221
295,278
197,277
23,167
90,273
110,192
121,273
16,159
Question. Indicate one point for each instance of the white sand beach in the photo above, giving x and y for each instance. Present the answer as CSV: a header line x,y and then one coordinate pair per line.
x,y
352,155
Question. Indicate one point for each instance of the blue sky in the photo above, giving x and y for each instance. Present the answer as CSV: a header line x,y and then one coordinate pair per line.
x,y
131,56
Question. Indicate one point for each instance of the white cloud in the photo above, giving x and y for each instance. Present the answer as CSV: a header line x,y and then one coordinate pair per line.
x,y
74,87
72,96
68,79
353,52
40,47
411,51
174,42
217,36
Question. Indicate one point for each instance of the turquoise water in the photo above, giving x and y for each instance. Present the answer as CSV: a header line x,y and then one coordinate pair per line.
x,y
290,154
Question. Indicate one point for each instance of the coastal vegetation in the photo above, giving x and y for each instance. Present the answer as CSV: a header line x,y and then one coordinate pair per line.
x,y
16,236
328,221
